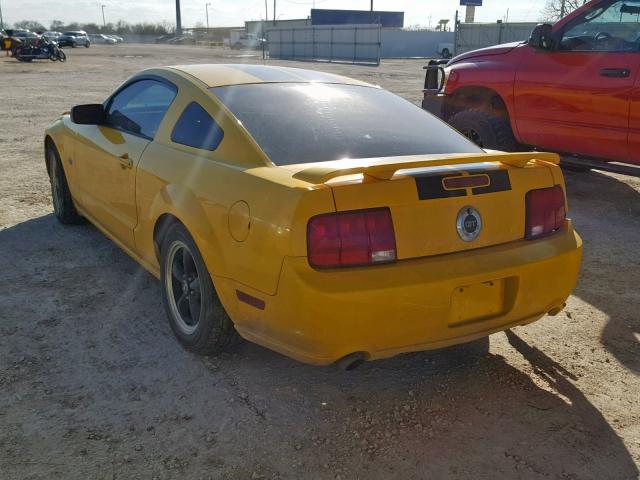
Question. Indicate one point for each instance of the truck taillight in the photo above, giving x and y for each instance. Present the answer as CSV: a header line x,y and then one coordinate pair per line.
x,y
546,211
347,239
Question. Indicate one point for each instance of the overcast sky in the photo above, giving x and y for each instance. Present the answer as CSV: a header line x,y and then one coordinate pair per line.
x,y
234,12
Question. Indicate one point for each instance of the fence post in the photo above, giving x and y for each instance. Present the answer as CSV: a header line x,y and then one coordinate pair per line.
x,y
331,43
355,43
455,35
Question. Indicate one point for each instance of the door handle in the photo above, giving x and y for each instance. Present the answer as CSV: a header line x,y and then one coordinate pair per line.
x,y
125,161
615,72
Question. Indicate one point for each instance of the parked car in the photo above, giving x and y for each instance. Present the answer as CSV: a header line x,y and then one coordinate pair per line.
x,y
25,36
52,36
164,38
117,38
572,88
239,39
316,215
101,38
182,40
74,39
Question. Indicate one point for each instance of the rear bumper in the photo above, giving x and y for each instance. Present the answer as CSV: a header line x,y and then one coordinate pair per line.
x,y
434,104
320,317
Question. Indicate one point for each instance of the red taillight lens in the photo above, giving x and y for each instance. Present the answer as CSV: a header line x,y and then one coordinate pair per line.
x,y
347,239
545,211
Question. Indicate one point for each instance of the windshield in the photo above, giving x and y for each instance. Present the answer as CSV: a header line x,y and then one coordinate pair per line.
x,y
314,122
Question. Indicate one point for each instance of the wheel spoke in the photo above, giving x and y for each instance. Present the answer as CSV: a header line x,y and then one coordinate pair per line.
x,y
183,304
177,269
189,264
194,309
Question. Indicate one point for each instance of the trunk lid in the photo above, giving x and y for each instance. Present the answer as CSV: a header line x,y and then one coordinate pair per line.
x,y
429,209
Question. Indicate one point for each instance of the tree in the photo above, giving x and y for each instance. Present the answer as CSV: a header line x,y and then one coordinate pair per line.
x,y
32,25
56,25
554,10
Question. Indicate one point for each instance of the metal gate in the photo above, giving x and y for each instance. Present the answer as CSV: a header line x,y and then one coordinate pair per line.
x,y
329,43
471,36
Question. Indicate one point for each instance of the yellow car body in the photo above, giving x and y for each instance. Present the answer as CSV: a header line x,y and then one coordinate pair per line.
x,y
249,219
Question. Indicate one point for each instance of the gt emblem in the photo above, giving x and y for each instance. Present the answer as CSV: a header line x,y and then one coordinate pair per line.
x,y
469,224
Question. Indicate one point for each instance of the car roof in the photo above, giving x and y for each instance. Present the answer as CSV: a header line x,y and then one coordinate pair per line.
x,y
219,75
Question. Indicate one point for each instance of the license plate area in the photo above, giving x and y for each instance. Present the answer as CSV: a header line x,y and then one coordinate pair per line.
x,y
478,302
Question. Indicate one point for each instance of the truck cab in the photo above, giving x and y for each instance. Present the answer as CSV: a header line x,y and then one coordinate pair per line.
x,y
573,87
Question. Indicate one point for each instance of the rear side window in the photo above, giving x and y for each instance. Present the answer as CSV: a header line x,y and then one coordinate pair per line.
x,y
195,128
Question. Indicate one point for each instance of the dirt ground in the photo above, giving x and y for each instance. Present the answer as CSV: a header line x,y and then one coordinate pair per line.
x,y
94,386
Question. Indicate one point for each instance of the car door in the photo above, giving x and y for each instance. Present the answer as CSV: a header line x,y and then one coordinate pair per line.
x,y
108,154
575,98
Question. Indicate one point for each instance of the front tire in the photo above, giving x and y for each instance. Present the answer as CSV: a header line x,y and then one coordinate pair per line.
x,y
63,207
192,305
87,45
485,130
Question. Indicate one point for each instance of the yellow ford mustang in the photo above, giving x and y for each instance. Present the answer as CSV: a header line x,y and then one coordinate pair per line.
x,y
319,216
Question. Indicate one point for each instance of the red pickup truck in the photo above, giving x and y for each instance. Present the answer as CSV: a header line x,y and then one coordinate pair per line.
x,y
572,88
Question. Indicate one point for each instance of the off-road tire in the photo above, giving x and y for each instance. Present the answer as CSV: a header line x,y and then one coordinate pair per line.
x,y
63,207
486,130
214,331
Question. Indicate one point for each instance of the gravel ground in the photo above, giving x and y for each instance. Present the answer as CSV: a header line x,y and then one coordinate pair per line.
x,y
93,385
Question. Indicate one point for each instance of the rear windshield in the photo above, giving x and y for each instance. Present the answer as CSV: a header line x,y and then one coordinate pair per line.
x,y
315,122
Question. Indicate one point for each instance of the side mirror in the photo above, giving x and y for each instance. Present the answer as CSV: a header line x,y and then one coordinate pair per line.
x,y
542,37
91,114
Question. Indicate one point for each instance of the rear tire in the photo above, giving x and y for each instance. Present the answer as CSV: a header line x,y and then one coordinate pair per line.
x,y
193,307
63,207
485,130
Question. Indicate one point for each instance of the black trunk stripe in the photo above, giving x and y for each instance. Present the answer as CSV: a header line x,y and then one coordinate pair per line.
x,y
431,187
500,182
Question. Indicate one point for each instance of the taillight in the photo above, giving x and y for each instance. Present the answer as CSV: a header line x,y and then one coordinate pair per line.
x,y
347,239
546,211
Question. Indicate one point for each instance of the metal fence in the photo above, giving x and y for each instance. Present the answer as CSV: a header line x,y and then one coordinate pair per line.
x,y
471,36
332,43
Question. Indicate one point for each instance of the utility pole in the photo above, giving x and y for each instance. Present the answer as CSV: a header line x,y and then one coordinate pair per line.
x,y
104,23
371,6
206,8
1,21
274,13
178,18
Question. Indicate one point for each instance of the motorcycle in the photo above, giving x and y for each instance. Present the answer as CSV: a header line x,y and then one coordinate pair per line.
x,y
41,50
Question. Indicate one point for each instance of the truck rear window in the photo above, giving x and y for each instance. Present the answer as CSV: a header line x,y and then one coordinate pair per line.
x,y
317,122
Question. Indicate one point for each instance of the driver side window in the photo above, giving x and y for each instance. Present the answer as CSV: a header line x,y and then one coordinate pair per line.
x,y
140,107
609,28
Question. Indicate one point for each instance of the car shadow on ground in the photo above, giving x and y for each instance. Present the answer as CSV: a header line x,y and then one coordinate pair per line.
x,y
447,414
600,204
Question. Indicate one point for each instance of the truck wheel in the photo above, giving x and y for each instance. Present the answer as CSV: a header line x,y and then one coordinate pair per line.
x,y
485,130
195,312
63,206
87,45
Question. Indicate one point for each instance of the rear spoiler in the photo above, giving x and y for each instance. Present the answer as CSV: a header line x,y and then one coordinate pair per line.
x,y
387,168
